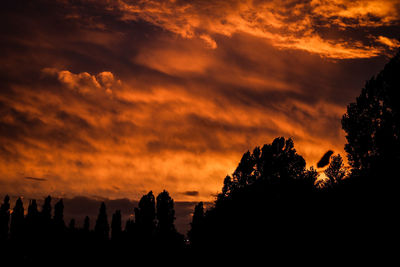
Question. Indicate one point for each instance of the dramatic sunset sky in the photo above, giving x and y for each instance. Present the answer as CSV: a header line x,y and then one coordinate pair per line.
x,y
113,98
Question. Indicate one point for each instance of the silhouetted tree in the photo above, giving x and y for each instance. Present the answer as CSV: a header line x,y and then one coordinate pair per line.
x,y
17,221
33,212
58,221
130,231
116,226
45,213
86,224
336,170
32,220
167,236
276,164
46,209
165,213
244,173
195,232
265,197
85,232
71,225
227,187
145,215
45,219
4,218
372,125
102,227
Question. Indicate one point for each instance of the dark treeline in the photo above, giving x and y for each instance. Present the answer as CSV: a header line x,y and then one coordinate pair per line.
x,y
270,202
26,234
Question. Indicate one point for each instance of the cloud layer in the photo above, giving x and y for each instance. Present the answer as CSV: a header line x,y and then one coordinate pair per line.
x,y
116,98
289,24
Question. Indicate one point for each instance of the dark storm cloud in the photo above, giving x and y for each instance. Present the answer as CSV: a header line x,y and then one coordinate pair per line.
x,y
36,179
191,193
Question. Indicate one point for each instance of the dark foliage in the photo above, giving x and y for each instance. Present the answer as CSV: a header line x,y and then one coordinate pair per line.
x,y
116,226
372,125
263,200
4,218
17,225
167,236
102,227
273,202
152,230
195,233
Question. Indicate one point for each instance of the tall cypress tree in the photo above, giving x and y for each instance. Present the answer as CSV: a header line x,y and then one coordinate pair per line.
x,y
46,211
32,220
17,221
165,213
145,216
86,224
45,218
102,228
59,225
195,232
4,218
116,226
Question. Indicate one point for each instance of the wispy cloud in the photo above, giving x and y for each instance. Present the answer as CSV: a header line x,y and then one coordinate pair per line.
x,y
286,24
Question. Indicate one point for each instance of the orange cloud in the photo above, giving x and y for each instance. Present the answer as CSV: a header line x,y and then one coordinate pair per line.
x,y
290,24
392,43
84,82
359,13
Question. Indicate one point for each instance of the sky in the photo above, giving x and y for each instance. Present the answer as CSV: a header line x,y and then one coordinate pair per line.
x,y
109,99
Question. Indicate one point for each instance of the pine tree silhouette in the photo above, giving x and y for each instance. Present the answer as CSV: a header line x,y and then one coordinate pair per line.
x,y
165,213
145,215
116,226
32,221
102,227
195,232
4,218
58,220
167,236
45,220
71,225
17,226
86,224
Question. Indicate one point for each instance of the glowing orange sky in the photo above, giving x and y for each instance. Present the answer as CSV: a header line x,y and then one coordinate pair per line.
x,y
116,98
